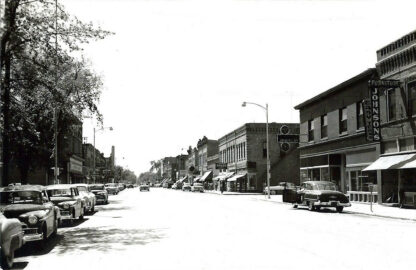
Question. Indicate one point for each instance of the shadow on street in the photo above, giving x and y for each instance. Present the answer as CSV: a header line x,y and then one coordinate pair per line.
x,y
114,208
105,239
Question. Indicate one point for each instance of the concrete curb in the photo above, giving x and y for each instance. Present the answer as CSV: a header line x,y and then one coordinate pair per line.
x,y
349,211
227,193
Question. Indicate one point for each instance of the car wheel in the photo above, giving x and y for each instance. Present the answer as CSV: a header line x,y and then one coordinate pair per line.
x,y
93,208
55,227
339,209
311,207
295,206
7,261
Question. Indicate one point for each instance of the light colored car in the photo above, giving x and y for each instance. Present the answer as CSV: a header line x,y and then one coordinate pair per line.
x,y
144,188
11,237
278,190
31,205
70,203
197,187
112,188
101,194
186,187
88,197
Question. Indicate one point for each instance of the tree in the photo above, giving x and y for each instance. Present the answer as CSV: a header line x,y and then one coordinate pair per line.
x,y
42,69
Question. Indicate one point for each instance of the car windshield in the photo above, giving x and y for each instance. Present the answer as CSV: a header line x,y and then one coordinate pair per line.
x,y
325,186
97,187
59,192
82,189
14,197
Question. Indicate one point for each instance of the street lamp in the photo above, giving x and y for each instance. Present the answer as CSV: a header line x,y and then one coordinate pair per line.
x,y
101,129
266,108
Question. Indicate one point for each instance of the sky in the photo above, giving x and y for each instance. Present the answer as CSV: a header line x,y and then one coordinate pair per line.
x,y
177,70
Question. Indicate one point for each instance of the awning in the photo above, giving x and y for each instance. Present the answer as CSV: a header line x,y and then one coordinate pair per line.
x,y
223,176
182,179
393,162
236,177
206,176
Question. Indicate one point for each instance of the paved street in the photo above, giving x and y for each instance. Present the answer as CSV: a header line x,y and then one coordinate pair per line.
x,y
169,229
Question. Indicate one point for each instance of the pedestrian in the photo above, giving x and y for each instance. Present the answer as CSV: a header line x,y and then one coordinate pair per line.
x,y
222,186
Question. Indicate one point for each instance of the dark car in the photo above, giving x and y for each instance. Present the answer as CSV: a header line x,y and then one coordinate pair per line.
x,y
31,205
100,192
144,188
317,194
186,187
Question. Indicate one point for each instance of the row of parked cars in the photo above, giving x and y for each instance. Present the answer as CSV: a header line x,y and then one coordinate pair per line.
x,y
196,187
32,213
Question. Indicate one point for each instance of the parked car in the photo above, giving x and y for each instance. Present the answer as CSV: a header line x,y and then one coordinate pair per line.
x,y
88,197
130,186
197,187
175,186
144,188
121,187
32,206
101,194
278,190
112,188
67,198
11,238
186,187
317,194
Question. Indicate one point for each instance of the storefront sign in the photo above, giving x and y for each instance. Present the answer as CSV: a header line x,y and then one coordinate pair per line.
x,y
75,166
221,166
375,114
292,138
383,83
368,119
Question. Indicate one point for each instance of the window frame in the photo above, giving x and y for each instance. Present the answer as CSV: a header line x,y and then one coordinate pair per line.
x,y
311,130
324,126
388,103
410,99
360,115
341,121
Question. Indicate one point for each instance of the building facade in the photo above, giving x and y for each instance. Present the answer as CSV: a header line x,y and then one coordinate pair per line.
x,y
396,165
244,151
206,150
333,144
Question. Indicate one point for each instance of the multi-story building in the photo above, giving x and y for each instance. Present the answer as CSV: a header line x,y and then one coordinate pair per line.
x,y
169,168
192,163
333,145
396,166
244,150
206,148
181,166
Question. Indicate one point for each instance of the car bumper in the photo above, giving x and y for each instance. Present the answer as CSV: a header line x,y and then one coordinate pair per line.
x,y
65,214
31,234
332,204
101,200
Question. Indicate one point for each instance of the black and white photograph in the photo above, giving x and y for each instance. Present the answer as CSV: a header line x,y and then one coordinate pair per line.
x,y
207,134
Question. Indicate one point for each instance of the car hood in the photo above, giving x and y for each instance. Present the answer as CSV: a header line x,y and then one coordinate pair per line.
x,y
15,210
57,200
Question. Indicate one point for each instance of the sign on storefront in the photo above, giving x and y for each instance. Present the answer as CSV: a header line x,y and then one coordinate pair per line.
x,y
289,138
221,166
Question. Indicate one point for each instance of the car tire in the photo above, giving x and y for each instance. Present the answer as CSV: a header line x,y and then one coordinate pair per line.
x,y
339,209
81,216
295,206
7,261
311,207
93,208
55,227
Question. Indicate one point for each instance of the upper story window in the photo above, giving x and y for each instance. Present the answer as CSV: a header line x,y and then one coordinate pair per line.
x,y
264,149
343,120
360,115
310,130
412,97
324,126
391,105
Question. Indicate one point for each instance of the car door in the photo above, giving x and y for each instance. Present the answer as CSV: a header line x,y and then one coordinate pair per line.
x,y
291,196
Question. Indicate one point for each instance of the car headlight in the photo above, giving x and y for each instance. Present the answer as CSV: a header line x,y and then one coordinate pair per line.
x,y
32,220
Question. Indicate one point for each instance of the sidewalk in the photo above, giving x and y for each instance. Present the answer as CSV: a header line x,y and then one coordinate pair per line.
x,y
356,208
364,209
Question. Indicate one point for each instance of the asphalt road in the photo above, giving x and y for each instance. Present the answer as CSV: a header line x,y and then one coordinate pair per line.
x,y
169,229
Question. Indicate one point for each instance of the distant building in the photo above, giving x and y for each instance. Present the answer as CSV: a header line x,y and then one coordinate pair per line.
x,y
206,149
244,151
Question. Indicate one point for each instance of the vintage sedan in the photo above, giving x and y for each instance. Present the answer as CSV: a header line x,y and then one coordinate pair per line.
x,y
31,205
101,194
88,197
186,187
70,203
316,195
278,190
144,188
11,238
112,188
197,187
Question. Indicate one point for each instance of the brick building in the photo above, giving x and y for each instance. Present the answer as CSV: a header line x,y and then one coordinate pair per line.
x,y
245,153
206,148
396,167
333,145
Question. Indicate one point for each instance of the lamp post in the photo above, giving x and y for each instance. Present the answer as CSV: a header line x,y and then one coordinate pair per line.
x,y
93,170
266,108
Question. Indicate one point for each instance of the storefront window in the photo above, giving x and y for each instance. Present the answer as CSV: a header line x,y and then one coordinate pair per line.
x,y
304,175
316,174
325,174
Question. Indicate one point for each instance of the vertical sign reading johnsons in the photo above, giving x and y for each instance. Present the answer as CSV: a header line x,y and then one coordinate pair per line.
x,y
371,108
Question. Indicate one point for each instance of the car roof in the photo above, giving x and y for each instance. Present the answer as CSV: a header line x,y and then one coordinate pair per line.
x,y
59,186
23,187
318,182
80,185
